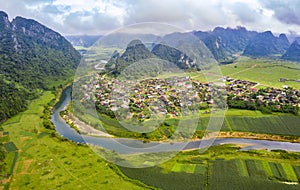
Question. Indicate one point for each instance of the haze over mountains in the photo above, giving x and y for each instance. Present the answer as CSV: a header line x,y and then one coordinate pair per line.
x,y
266,44
32,57
182,55
84,41
293,52
225,43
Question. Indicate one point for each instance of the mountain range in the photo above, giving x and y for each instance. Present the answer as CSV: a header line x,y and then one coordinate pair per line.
x,y
32,57
83,40
293,52
224,43
266,44
162,56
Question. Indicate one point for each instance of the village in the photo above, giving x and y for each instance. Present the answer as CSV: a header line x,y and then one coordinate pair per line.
x,y
172,96
163,96
273,98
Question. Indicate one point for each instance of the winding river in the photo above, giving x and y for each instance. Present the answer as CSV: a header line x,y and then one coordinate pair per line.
x,y
128,146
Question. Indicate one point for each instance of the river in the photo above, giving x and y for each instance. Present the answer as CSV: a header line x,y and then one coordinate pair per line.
x,y
128,146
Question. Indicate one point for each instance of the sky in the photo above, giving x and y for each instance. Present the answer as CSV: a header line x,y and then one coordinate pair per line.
x,y
99,17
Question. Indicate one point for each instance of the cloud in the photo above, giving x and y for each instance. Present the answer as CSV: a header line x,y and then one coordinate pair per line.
x,y
245,13
90,16
186,14
89,22
102,16
51,9
285,11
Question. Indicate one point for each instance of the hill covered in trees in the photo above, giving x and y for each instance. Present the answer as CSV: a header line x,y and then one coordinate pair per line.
x,y
224,42
266,44
293,52
32,57
138,60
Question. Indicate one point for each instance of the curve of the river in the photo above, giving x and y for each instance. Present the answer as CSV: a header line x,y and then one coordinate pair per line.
x,y
127,146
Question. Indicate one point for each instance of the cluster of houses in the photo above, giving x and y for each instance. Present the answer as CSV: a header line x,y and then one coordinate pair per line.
x,y
239,87
246,91
162,96
172,95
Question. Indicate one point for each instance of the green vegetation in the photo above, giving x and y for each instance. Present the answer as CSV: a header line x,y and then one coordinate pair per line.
x,y
267,72
31,61
224,43
266,44
268,106
223,167
266,121
235,120
292,52
13,99
289,171
36,158
155,176
10,147
268,124
46,162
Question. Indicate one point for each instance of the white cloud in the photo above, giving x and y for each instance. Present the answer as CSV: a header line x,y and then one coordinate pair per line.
x,y
101,16
86,5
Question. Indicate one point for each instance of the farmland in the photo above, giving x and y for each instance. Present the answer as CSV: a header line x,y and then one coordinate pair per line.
x,y
234,121
280,125
46,162
264,71
223,167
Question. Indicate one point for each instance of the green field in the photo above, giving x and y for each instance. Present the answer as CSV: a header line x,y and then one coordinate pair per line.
x,y
267,72
172,180
45,162
223,167
234,120
269,124
264,71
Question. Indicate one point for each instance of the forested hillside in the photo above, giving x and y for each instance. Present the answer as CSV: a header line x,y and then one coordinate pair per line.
x,y
293,52
32,57
266,44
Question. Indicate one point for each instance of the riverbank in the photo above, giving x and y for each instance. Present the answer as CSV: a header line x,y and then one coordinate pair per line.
x,y
86,129
81,126
249,135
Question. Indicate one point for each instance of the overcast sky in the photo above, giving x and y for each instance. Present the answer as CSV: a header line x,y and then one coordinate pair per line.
x,y
103,16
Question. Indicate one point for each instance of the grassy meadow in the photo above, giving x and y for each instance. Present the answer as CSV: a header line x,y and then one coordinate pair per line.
x,y
264,71
45,162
